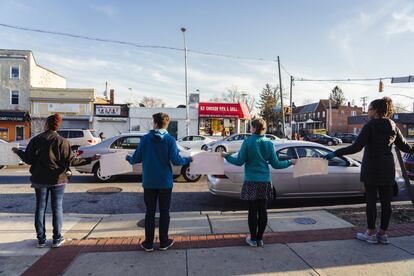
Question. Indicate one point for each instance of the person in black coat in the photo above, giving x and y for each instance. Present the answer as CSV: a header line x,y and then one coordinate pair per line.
x,y
378,167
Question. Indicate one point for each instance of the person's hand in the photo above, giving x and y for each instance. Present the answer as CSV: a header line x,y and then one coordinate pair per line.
x,y
96,157
330,155
15,150
293,161
224,154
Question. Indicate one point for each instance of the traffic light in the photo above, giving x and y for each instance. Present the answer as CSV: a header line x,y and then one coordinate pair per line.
x,y
381,86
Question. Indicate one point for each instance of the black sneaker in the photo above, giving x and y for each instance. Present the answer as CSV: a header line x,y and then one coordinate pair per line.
x,y
57,243
167,245
41,243
146,247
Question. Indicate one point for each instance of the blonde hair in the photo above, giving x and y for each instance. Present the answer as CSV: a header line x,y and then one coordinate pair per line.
x,y
259,125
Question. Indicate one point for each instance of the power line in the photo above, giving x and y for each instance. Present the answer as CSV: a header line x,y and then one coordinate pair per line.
x,y
339,80
128,43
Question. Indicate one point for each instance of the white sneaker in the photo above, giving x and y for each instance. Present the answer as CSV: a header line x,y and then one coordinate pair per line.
x,y
250,242
366,237
383,238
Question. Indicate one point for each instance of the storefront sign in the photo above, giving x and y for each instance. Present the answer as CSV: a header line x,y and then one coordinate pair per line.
x,y
228,110
107,110
66,108
13,116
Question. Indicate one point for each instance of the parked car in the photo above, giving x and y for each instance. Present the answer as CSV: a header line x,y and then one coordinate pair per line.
x,y
346,137
233,142
342,180
4,166
408,160
76,137
323,139
193,142
127,143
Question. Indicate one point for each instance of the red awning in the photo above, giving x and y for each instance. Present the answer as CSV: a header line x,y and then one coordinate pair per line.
x,y
223,110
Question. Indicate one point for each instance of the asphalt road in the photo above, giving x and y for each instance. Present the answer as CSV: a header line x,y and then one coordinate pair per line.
x,y
16,196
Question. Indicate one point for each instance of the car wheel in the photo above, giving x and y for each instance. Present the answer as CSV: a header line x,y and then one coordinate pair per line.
x,y
1,167
220,149
99,177
204,147
185,171
176,176
330,143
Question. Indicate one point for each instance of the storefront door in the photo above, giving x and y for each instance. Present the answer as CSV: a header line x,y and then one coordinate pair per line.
x,y
19,133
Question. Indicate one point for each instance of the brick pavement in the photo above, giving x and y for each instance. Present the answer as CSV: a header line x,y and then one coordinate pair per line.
x,y
56,261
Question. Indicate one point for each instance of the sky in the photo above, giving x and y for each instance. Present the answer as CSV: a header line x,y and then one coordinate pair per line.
x,y
318,39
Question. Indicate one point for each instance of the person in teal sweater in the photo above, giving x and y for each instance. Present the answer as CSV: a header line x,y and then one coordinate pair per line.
x,y
256,154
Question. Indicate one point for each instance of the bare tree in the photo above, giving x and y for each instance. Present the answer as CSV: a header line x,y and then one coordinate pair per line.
x,y
401,108
152,102
234,94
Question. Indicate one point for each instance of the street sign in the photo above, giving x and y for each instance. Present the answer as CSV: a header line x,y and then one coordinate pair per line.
x,y
402,79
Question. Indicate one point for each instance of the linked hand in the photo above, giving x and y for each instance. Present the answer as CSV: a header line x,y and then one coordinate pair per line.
x,y
224,154
330,155
15,150
293,161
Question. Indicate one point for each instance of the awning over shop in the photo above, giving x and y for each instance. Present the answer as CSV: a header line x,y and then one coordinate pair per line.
x,y
224,110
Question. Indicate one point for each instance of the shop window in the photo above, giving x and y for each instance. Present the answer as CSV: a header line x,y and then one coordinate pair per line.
x,y
410,131
4,134
15,72
14,97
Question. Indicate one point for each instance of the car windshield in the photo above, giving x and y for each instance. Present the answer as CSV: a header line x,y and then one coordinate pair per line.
x,y
94,134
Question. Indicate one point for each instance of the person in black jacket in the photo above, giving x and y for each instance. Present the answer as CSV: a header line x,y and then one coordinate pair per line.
x,y
50,156
378,167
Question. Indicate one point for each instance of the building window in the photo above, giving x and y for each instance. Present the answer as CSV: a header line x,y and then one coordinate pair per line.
x,y
323,114
353,113
14,97
319,114
4,134
19,133
342,113
15,72
313,115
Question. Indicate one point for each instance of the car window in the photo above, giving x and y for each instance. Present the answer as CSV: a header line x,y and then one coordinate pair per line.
x,y
63,133
197,138
129,142
233,138
286,154
75,134
94,134
320,152
271,137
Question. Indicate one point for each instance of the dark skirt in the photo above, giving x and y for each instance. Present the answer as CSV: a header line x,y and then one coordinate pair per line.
x,y
256,190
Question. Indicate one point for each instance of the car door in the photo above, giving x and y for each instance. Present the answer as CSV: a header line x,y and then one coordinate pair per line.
x,y
282,179
185,142
234,143
342,177
127,144
198,142
76,138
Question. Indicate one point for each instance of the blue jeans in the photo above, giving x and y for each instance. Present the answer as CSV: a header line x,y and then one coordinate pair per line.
x,y
42,195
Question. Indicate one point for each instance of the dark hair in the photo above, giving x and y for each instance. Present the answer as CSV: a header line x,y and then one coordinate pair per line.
x,y
161,119
54,122
384,107
260,126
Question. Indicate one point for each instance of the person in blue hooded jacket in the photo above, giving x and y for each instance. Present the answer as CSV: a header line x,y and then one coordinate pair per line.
x,y
156,151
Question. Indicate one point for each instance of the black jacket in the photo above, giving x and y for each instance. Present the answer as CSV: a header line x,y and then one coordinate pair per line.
x,y
50,156
378,136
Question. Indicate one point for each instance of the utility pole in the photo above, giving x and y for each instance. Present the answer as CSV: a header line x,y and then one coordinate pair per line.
x,y
291,107
187,108
281,97
364,103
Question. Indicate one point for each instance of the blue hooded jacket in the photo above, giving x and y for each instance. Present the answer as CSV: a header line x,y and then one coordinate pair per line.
x,y
157,150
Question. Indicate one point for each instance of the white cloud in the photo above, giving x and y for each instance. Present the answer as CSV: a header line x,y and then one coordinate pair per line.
x,y
105,9
402,21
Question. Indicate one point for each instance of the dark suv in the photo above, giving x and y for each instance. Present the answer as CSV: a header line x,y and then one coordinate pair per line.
x,y
346,137
323,139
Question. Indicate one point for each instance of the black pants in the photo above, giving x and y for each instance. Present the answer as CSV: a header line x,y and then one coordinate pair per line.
x,y
151,196
385,193
257,218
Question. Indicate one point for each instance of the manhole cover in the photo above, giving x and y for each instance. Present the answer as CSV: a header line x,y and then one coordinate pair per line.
x,y
141,223
305,221
104,191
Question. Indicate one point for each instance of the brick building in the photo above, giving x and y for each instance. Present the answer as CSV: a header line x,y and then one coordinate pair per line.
x,y
315,117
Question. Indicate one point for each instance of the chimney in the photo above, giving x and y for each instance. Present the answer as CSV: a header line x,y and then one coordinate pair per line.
x,y
111,96
349,104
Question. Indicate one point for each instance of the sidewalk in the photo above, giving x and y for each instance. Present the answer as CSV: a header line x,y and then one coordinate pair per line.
x,y
207,243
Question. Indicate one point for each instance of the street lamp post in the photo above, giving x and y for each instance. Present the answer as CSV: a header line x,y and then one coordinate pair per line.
x,y
187,108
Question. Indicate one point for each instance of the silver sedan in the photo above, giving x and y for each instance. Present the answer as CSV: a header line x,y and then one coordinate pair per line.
x,y
127,143
234,142
343,178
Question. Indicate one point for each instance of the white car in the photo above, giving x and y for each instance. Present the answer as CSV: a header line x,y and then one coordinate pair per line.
x,y
233,143
342,180
126,142
195,142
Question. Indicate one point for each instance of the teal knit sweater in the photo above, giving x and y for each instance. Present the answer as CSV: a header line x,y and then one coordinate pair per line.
x,y
257,153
